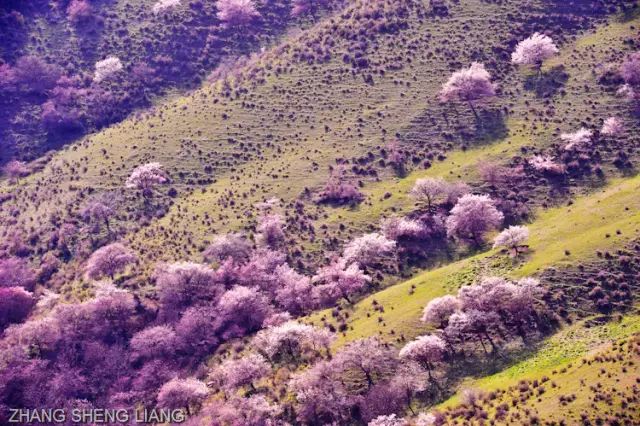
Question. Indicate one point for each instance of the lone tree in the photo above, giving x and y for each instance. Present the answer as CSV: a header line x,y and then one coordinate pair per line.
x,y
236,13
106,68
470,86
146,177
109,260
534,51
430,191
577,139
15,170
472,217
512,238
612,126
630,69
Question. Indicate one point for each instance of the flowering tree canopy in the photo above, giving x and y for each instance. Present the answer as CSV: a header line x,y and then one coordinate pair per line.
x,y
16,272
145,177
154,342
291,340
337,280
79,11
469,85
338,190
630,69
395,228
425,350
301,7
164,5
440,309
576,139
368,249
107,68
534,50
183,284
236,13
429,190
15,169
612,127
512,238
236,373
15,305
109,260
388,420
233,246
365,362
472,216
271,231
546,164
182,393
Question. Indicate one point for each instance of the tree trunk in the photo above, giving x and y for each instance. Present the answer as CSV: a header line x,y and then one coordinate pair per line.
x,y
475,113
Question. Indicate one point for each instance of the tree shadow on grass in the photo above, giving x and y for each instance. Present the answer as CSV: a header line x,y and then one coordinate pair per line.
x,y
490,127
546,85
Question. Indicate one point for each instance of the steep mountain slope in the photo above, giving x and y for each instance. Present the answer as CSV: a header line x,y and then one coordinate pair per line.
x,y
248,139
338,101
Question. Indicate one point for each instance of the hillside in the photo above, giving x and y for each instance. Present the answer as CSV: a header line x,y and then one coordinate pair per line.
x,y
293,221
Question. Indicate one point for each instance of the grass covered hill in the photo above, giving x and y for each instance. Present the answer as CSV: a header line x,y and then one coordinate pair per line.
x,y
284,212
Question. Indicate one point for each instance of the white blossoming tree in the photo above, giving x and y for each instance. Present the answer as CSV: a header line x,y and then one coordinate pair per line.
x,y
106,68
534,51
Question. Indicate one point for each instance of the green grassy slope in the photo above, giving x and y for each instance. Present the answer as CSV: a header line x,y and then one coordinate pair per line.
x,y
271,139
575,229
564,348
525,128
595,388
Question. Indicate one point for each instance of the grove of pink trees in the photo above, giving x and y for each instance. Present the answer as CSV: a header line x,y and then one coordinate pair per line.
x,y
487,309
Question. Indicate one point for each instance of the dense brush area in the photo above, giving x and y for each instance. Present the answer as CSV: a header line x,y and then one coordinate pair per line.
x,y
266,212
